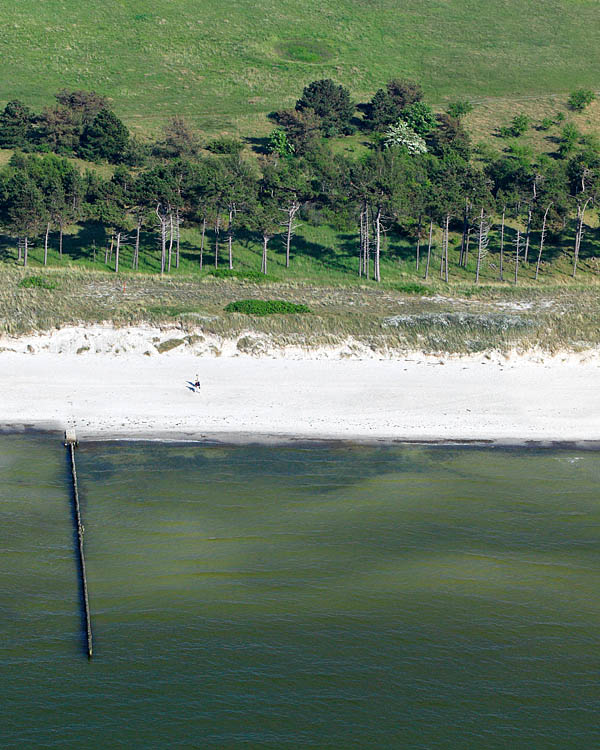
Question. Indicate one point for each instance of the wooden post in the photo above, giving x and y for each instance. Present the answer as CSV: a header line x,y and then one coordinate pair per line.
x,y
71,443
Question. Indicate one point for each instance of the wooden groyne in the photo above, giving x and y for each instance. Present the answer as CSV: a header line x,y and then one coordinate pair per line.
x,y
71,444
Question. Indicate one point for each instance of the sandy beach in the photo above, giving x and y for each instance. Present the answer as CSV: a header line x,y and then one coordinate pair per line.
x,y
120,386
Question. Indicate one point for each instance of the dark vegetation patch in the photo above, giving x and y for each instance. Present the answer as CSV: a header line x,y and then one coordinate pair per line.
x,y
36,282
231,273
411,287
304,50
266,307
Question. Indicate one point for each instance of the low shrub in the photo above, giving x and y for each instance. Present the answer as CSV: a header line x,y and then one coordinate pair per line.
x,y
411,287
225,145
266,307
580,99
36,282
230,273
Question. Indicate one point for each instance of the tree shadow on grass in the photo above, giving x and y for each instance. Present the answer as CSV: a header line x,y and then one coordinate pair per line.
x,y
330,258
90,236
258,145
394,247
8,248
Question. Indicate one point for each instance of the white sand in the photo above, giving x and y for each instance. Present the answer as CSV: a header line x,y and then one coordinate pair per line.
x,y
324,394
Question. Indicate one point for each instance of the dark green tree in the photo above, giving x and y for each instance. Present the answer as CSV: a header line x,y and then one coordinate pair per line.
x,y
381,111
331,103
16,123
106,137
61,185
23,210
449,135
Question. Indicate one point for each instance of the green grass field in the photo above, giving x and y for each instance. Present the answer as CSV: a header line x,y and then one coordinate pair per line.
x,y
224,66
324,256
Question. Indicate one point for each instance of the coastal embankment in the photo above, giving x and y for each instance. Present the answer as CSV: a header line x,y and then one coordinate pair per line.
x,y
117,383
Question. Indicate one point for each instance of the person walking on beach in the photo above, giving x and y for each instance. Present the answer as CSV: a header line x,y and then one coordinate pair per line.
x,y
197,383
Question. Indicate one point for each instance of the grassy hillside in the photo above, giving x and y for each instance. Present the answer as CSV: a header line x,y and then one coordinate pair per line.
x,y
223,66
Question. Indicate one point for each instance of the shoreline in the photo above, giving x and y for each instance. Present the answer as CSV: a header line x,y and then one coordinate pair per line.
x,y
233,439
293,396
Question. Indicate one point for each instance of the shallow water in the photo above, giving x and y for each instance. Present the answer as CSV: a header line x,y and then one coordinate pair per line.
x,y
326,597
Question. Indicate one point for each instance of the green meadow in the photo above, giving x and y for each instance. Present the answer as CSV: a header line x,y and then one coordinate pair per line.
x,y
225,66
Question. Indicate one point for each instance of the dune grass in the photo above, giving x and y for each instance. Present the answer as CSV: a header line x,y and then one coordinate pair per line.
x,y
433,317
225,67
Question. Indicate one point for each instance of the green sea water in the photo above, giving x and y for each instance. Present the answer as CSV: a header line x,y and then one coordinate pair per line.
x,y
301,597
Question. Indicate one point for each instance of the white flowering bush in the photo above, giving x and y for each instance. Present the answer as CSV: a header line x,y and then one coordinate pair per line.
x,y
401,134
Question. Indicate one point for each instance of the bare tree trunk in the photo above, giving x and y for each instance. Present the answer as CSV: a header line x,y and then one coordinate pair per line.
x,y
576,249
446,231
106,250
418,250
444,258
429,249
527,234
367,243
542,238
60,239
217,233
482,243
177,223
117,252
517,249
361,243
292,210
136,252
468,240
202,242
46,244
502,245
479,247
377,243
25,248
263,267
19,251
230,237
579,233
463,241
163,244
170,241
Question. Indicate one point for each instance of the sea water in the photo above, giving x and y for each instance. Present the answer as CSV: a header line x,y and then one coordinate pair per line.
x,y
324,596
